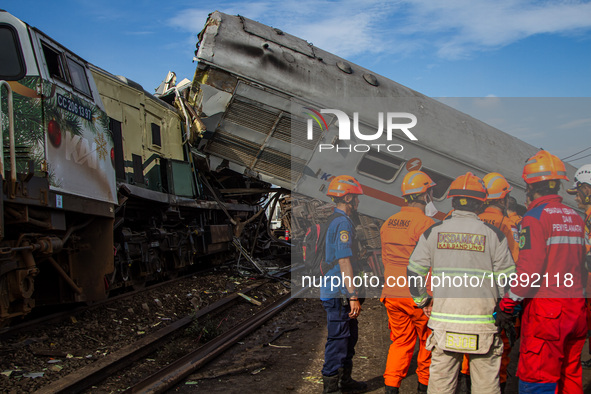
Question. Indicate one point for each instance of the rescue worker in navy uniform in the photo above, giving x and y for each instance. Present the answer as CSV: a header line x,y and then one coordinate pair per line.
x,y
461,316
551,263
342,304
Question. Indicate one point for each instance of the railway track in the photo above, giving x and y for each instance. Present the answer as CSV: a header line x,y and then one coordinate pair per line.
x,y
168,377
52,318
108,345
117,361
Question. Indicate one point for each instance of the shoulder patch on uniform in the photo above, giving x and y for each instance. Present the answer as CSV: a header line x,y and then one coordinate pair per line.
x,y
344,236
536,212
428,231
524,239
499,233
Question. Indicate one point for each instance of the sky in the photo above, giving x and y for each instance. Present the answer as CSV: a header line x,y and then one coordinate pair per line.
x,y
459,50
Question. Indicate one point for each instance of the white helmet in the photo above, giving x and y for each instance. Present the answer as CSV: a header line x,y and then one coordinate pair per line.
x,y
583,175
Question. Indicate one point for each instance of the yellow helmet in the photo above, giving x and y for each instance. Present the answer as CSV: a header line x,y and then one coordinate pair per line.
x,y
497,186
416,182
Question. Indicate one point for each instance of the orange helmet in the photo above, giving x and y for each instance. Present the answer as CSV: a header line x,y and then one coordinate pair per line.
x,y
497,186
416,182
342,185
468,185
543,166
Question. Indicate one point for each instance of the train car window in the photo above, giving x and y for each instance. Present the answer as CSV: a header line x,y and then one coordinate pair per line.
x,y
156,138
55,64
381,166
78,75
11,64
443,182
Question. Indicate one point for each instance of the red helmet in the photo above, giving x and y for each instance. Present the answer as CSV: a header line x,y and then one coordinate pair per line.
x,y
468,185
342,185
543,166
497,186
416,182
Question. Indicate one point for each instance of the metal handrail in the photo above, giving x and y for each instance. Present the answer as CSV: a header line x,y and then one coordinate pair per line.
x,y
10,133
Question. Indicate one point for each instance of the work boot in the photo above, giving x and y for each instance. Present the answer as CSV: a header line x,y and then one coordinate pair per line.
x,y
422,388
391,390
331,384
464,384
347,384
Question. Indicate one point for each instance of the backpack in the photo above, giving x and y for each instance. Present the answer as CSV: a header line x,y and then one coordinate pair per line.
x,y
314,248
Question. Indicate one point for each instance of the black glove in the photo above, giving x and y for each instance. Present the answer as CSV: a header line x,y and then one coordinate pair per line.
x,y
505,321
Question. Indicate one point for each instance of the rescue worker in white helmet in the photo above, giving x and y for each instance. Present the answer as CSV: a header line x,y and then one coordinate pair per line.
x,y
459,251
581,189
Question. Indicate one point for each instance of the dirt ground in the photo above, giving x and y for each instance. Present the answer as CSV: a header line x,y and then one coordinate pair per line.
x,y
292,362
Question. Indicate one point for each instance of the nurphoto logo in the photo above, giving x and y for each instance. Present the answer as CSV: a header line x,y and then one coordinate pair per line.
x,y
392,122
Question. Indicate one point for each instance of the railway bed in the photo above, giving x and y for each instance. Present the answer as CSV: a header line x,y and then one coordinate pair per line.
x,y
39,357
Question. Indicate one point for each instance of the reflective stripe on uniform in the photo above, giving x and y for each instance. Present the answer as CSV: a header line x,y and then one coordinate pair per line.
x,y
507,271
462,319
471,272
563,239
419,269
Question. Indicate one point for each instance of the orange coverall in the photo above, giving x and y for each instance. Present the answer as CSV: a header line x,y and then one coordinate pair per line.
x,y
399,235
515,219
494,216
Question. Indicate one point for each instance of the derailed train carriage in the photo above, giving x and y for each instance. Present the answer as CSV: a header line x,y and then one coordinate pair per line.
x,y
101,188
297,115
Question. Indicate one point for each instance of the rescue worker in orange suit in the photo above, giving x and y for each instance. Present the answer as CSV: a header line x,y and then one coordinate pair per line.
x,y
341,303
461,319
512,214
498,190
581,189
399,235
551,283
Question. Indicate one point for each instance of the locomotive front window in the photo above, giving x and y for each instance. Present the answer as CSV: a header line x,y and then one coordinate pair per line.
x,y
11,61
78,75
54,63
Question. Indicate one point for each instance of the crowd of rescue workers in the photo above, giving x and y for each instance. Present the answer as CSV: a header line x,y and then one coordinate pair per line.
x,y
466,333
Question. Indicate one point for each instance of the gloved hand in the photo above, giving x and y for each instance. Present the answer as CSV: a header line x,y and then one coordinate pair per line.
x,y
505,321
507,305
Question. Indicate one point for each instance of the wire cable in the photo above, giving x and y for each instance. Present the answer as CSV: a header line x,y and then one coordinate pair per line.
x,y
582,157
574,154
